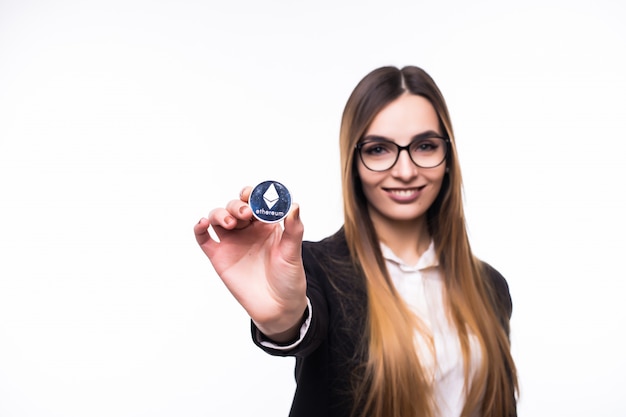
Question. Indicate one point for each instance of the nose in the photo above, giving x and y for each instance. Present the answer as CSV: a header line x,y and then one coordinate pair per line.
x,y
404,168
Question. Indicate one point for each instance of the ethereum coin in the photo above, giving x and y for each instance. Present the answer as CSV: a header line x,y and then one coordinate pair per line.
x,y
270,201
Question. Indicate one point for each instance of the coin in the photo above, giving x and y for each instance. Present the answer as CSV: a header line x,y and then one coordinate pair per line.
x,y
270,201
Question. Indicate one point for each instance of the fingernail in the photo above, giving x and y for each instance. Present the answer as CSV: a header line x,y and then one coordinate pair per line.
x,y
228,220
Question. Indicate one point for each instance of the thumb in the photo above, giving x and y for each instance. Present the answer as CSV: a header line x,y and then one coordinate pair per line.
x,y
291,240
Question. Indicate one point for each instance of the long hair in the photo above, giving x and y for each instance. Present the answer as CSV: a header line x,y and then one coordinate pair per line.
x,y
394,383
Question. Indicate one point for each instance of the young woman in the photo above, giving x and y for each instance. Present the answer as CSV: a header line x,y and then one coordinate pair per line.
x,y
392,316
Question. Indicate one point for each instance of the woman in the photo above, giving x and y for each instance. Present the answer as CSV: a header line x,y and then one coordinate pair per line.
x,y
393,315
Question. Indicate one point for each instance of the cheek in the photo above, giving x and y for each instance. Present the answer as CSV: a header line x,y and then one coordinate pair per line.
x,y
437,180
436,175
368,178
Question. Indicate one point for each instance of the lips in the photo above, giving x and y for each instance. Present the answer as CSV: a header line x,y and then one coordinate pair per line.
x,y
404,195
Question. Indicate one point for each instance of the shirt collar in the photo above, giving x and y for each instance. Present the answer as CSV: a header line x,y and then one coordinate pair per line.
x,y
427,260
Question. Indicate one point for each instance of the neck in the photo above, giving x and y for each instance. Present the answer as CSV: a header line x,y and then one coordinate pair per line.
x,y
407,239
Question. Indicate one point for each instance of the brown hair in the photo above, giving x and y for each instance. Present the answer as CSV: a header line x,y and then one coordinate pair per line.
x,y
394,384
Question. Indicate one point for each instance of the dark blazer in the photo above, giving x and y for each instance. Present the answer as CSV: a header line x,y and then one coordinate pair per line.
x,y
331,351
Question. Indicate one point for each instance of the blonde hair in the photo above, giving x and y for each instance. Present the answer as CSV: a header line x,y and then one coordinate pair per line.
x,y
393,383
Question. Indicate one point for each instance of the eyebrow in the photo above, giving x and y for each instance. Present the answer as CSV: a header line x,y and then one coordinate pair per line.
x,y
423,135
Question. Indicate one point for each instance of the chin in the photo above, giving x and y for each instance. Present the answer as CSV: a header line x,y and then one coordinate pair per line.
x,y
405,217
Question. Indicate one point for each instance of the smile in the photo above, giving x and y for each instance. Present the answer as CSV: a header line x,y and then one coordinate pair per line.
x,y
404,195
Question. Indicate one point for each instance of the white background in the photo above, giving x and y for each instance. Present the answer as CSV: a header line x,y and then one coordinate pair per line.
x,y
123,122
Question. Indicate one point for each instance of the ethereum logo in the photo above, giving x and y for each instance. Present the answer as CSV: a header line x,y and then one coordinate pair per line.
x,y
270,196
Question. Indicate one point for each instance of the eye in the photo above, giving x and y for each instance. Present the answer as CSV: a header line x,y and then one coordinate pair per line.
x,y
376,148
425,145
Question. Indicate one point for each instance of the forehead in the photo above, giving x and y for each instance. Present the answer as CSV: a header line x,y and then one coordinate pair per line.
x,y
405,117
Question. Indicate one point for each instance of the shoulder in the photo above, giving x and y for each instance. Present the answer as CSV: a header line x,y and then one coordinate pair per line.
x,y
498,290
333,242
333,247
499,286
329,261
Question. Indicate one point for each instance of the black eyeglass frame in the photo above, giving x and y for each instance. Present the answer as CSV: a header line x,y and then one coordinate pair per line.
x,y
359,146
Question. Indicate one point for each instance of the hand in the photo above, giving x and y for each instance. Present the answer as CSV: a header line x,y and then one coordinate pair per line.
x,y
260,264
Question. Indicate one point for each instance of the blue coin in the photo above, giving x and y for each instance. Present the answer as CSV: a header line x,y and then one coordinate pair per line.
x,y
270,201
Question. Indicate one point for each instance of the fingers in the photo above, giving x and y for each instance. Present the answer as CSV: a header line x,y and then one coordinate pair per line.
x,y
236,215
204,239
201,230
244,195
241,212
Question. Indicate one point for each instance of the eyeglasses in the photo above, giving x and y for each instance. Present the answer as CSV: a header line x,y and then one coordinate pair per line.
x,y
378,154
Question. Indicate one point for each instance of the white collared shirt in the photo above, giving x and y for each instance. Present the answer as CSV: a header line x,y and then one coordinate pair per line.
x,y
421,286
